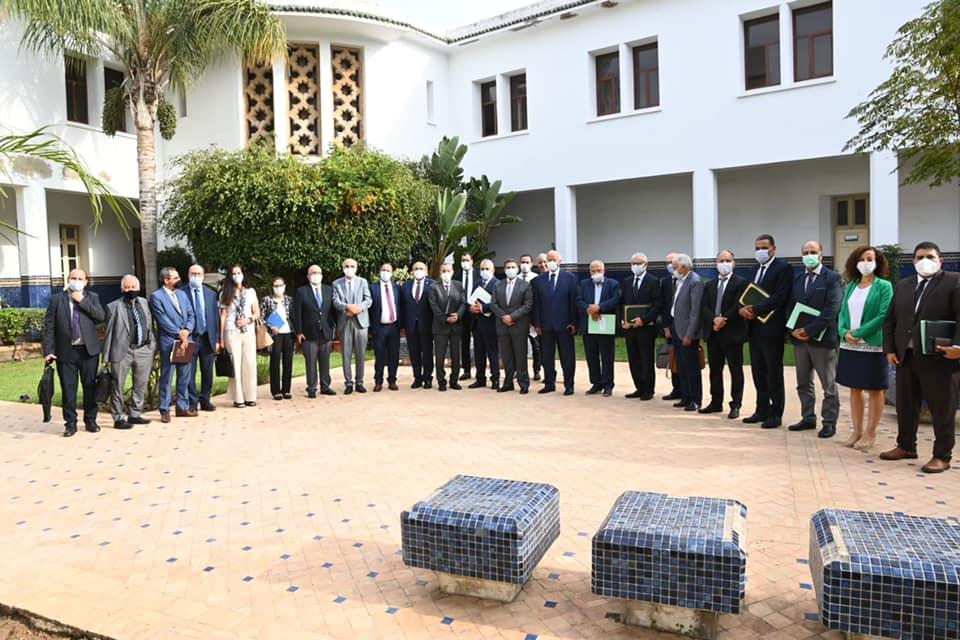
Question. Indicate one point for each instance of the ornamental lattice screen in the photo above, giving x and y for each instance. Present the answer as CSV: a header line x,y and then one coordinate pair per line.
x,y
258,93
303,88
347,98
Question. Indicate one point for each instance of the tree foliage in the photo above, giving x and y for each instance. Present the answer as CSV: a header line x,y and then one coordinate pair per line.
x,y
276,216
916,111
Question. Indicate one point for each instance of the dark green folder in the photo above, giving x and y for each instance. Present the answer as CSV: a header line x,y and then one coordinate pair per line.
x,y
930,330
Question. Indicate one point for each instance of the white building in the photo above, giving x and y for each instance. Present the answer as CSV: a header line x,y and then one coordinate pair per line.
x,y
628,125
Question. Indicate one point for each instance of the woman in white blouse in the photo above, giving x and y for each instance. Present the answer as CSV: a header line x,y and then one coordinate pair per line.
x,y
239,313
276,313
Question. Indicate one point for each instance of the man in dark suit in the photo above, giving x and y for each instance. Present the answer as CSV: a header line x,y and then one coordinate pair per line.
x,y
686,312
418,325
486,331
527,274
469,279
726,332
313,322
448,302
206,337
931,295
815,343
667,285
385,327
129,346
597,296
642,290
173,314
70,338
512,305
775,277
555,317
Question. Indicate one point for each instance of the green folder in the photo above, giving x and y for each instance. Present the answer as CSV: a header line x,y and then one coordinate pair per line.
x,y
634,311
605,326
754,295
931,329
801,317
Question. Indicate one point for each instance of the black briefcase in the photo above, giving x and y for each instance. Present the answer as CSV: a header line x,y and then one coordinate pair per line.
x,y
223,365
104,385
663,356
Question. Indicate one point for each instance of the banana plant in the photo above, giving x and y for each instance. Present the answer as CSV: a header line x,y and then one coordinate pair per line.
x,y
486,207
450,229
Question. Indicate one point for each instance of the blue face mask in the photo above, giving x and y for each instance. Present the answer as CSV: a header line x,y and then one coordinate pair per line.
x,y
196,282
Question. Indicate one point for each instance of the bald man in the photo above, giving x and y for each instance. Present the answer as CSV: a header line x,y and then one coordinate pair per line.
x,y
128,346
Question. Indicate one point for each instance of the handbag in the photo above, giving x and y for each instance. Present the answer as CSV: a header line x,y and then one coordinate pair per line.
x,y
673,358
663,356
223,365
264,339
104,385
45,391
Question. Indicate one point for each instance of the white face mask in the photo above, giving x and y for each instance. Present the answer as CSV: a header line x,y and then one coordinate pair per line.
x,y
762,255
596,277
419,274
466,266
385,276
316,279
446,276
525,267
552,265
671,270
76,285
486,274
511,272
866,268
638,269
349,271
279,291
724,268
237,278
927,267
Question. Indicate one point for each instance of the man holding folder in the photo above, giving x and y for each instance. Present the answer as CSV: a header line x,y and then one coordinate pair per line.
x,y
597,299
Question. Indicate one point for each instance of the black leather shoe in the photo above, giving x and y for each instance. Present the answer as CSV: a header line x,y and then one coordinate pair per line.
x,y
607,393
427,384
755,418
771,423
455,386
505,388
592,390
734,413
479,384
680,403
712,408
328,392
464,376
208,406
286,396
441,385
251,403
348,390
92,427
633,394
122,424
524,390
671,396
416,384
494,384
137,420
361,388
568,392
693,406
69,431
238,405
548,389
828,431
277,396
536,375
803,426
646,396
311,394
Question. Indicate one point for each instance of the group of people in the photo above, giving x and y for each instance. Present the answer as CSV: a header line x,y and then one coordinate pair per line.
x,y
845,334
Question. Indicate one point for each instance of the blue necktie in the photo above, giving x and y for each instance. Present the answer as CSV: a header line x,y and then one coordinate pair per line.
x,y
319,297
201,316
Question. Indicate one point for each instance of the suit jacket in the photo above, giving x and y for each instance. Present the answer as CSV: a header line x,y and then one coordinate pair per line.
x,y
119,332
940,301
211,308
609,299
417,316
735,331
308,318
486,321
555,308
376,306
649,293
443,304
825,295
360,295
171,322
777,281
666,300
58,329
689,308
519,307
475,283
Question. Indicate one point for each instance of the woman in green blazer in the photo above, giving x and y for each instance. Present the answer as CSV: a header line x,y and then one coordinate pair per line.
x,y
862,365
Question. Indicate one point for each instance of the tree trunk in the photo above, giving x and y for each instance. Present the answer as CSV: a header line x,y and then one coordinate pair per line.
x,y
147,173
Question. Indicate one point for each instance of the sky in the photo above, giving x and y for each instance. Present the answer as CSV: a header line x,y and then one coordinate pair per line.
x,y
445,14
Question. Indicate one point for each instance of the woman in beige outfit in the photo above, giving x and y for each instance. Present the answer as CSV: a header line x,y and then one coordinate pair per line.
x,y
239,313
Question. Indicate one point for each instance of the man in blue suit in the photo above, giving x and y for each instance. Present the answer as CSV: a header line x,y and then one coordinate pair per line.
x,y
206,337
598,295
815,343
469,277
555,318
417,325
385,327
173,312
487,349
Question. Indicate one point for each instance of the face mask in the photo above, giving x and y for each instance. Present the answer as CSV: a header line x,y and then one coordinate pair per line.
x,y
486,274
131,295
466,266
671,270
349,271
811,261
638,269
925,267
866,268
419,274
76,285
525,268
316,278
762,255
511,272
196,281
446,276
596,277
238,278
552,265
279,291
385,276
724,268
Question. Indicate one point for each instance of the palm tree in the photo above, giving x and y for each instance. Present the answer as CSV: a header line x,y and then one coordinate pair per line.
x,y
163,44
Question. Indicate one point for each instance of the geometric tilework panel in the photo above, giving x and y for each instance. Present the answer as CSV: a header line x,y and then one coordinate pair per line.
x,y
347,98
303,89
258,94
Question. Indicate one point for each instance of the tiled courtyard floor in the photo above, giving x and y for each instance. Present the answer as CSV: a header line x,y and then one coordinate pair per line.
x,y
282,521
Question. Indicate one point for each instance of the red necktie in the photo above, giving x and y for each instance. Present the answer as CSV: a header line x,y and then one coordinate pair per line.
x,y
393,315
416,293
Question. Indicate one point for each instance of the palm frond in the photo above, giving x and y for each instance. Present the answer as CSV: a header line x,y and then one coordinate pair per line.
x,y
54,26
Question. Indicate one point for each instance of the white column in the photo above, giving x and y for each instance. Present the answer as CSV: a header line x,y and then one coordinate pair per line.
x,y
705,214
884,198
281,106
786,44
33,245
626,79
503,105
326,96
565,222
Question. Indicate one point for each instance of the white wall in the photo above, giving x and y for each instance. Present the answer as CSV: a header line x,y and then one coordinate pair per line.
x,y
534,235
617,219
9,258
106,252
930,214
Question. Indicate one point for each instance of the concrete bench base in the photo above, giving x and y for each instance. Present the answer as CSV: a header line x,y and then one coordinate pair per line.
x,y
691,623
479,588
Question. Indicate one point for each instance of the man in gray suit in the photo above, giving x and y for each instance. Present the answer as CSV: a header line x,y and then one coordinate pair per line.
x,y
352,299
687,328
512,304
129,345
448,302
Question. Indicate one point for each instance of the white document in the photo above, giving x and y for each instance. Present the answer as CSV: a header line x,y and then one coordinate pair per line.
x,y
479,294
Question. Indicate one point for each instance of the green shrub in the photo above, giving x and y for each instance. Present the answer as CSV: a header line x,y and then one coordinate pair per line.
x,y
176,257
16,322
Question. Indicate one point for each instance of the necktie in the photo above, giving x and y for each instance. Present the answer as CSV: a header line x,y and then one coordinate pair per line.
x,y
721,286
393,314
553,280
760,273
918,293
810,278
75,323
137,321
201,316
416,291
509,290
636,283
319,297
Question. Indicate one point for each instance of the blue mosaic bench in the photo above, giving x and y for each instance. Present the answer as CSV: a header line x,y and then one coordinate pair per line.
x,y
484,529
673,553
886,575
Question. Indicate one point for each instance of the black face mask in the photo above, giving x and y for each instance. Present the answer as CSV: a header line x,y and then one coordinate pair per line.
x,y
131,295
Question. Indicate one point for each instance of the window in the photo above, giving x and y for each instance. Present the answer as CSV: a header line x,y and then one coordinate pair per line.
x,y
113,79
608,83
488,108
646,76
813,42
76,79
69,248
518,102
431,104
761,55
